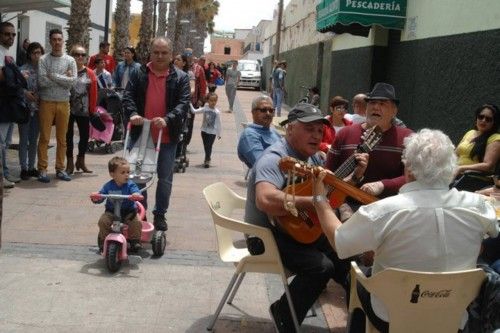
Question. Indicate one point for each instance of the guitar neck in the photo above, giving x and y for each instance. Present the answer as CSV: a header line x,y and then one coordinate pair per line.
x,y
346,168
350,190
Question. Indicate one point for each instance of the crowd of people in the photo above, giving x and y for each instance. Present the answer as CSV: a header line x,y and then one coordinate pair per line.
x,y
419,223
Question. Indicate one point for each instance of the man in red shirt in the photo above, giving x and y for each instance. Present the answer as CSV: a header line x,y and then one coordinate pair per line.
x,y
103,54
160,92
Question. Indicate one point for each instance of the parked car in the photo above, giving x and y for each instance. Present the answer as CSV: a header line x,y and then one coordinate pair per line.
x,y
250,74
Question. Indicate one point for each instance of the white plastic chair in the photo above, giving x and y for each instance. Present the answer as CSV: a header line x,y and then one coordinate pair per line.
x,y
222,202
438,303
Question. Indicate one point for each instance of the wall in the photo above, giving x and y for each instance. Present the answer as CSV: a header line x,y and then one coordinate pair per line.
x,y
217,51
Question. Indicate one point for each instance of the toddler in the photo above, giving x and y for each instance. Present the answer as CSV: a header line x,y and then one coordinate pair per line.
x,y
119,170
211,125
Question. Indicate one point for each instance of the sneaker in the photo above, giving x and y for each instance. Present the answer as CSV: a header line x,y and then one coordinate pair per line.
x,y
33,173
160,223
279,325
13,179
206,164
62,175
135,246
8,184
25,175
42,177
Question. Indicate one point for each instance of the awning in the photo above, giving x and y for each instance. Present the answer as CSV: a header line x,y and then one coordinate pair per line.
x,y
344,15
7,6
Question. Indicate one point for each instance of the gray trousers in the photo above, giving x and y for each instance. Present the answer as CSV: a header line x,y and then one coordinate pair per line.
x,y
231,95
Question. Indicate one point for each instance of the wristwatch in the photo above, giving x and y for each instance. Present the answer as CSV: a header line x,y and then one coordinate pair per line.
x,y
319,198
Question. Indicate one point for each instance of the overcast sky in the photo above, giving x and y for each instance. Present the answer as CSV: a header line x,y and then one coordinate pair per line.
x,y
239,14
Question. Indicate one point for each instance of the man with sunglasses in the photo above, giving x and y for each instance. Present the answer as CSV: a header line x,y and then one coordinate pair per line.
x,y
12,90
259,135
57,73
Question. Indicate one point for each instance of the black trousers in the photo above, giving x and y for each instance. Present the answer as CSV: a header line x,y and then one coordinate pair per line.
x,y
314,265
83,128
208,142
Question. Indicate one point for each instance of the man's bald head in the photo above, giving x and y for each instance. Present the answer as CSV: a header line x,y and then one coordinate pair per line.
x,y
359,104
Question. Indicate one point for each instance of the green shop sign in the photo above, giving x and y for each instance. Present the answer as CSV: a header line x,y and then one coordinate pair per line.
x,y
390,14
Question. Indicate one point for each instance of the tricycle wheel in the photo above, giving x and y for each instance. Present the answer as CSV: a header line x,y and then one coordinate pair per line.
x,y
158,243
112,256
109,148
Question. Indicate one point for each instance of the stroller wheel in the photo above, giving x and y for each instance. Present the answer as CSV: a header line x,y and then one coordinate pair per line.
x,y
91,146
109,148
158,243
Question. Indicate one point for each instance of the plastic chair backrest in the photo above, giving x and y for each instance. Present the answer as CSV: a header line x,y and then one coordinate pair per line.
x,y
423,301
223,202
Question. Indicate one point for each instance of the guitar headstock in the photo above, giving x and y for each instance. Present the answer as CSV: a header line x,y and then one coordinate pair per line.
x,y
370,139
299,167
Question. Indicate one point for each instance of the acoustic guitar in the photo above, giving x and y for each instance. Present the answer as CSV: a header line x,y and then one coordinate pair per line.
x,y
305,227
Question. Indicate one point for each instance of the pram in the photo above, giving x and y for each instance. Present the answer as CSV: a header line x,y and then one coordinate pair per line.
x,y
181,160
110,105
142,155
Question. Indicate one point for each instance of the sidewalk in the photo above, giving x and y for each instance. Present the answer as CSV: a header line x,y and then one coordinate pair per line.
x,y
53,281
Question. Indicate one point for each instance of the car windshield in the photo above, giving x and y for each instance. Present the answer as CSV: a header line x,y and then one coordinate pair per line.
x,y
248,67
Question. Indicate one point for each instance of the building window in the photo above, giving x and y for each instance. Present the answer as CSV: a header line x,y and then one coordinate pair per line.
x,y
227,50
49,26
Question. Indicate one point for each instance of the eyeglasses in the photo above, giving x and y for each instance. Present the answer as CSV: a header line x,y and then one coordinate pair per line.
x,y
264,110
339,107
12,34
485,118
79,54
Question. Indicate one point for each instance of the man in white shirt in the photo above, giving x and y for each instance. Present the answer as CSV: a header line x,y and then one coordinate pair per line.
x,y
426,227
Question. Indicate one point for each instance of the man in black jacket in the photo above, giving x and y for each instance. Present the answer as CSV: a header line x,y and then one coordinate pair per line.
x,y
161,93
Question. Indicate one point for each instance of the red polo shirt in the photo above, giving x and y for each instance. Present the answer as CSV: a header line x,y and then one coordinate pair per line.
x,y
156,101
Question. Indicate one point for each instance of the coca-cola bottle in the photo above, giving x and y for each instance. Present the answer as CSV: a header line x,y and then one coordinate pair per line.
x,y
415,294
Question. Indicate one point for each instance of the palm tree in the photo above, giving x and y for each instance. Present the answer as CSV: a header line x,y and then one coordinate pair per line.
x,y
162,19
145,31
78,24
121,37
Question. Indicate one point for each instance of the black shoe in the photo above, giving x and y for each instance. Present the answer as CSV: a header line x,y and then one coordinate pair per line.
x,y
160,223
100,244
135,246
277,319
33,173
25,175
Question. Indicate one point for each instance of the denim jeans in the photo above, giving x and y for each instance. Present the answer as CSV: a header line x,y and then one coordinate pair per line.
x,y
28,142
165,170
277,100
5,140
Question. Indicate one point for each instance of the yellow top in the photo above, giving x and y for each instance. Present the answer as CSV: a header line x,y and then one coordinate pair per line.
x,y
465,147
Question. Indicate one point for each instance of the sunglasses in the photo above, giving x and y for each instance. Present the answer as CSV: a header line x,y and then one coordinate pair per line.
x,y
12,34
79,54
265,110
485,118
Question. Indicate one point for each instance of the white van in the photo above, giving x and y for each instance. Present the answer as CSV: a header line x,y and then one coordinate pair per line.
x,y
250,74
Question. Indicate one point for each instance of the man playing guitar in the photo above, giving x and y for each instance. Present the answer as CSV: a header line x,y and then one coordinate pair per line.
x,y
384,173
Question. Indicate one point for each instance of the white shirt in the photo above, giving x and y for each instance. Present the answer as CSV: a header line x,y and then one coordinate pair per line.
x,y
423,228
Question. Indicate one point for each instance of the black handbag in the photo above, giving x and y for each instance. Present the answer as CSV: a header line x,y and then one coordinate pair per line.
x,y
96,121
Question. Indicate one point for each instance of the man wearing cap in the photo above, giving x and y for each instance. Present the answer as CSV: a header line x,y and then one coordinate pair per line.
x,y
109,61
316,263
384,174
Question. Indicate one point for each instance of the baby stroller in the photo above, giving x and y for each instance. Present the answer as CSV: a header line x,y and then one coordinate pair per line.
x,y
142,156
110,101
181,160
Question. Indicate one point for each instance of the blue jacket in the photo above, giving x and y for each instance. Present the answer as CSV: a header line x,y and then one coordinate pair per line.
x,y
120,69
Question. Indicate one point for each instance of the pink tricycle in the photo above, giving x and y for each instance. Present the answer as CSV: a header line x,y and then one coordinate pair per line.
x,y
115,244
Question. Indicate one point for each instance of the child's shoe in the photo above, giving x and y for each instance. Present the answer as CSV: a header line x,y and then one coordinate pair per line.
x,y
135,246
